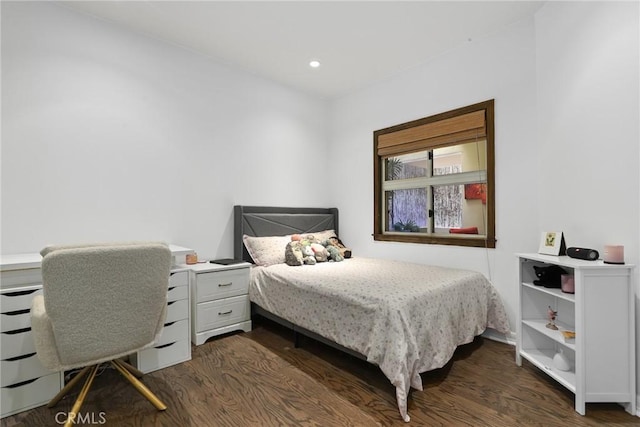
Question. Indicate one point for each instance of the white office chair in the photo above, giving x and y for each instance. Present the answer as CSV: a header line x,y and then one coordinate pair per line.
x,y
100,303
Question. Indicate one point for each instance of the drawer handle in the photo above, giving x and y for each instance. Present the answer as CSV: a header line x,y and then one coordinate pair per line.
x,y
169,324
170,302
17,312
171,288
21,383
17,331
23,356
165,345
20,293
226,312
220,285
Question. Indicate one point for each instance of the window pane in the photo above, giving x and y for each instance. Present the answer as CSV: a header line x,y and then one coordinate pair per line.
x,y
407,210
406,166
447,206
460,209
460,158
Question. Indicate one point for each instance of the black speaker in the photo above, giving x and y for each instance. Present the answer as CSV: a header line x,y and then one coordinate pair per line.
x,y
583,253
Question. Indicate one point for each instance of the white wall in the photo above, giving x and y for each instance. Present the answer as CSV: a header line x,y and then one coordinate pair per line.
x,y
500,67
108,135
567,136
588,63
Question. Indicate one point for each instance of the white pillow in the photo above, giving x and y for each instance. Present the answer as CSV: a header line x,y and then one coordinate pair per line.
x,y
266,251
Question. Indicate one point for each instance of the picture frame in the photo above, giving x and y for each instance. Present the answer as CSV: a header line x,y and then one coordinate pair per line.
x,y
552,243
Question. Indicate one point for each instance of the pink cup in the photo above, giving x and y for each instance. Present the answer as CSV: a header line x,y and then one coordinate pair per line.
x,y
567,283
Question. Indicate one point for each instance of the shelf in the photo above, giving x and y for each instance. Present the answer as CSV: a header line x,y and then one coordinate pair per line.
x,y
543,359
603,351
540,326
551,291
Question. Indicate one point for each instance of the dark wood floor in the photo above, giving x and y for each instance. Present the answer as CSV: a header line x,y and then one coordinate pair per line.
x,y
259,379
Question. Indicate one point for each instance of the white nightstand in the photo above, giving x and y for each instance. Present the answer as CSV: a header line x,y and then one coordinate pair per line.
x,y
219,300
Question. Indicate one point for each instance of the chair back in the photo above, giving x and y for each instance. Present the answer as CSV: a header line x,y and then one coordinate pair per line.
x,y
106,300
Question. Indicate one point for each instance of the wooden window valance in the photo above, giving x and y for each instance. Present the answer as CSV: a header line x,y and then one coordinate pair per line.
x,y
447,131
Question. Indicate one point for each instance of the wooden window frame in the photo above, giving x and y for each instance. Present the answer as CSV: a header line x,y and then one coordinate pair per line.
x,y
432,132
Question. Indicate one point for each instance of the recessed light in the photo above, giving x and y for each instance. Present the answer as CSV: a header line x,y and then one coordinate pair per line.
x,y
314,63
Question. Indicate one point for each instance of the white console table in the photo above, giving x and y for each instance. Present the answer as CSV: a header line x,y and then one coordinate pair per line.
x,y
25,383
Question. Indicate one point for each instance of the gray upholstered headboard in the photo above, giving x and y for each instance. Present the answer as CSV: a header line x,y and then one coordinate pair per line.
x,y
260,221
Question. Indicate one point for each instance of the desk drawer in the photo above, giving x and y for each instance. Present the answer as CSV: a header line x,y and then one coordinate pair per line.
x,y
222,284
27,277
161,356
25,368
180,278
176,293
177,310
18,299
218,313
30,394
174,331
16,343
13,320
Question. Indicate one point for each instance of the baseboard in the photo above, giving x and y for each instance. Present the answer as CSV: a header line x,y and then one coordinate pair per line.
x,y
509,338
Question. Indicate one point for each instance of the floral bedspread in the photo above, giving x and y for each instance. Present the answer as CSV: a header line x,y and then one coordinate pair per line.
x,y
406,318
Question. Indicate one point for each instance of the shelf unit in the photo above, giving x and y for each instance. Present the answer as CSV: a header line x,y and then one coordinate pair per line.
x,y
601,312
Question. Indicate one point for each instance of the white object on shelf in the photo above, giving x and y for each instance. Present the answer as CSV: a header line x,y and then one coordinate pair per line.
x,y
599,364
561,361
220,300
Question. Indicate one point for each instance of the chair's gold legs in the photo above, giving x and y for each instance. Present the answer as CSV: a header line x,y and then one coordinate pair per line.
x,y
142,389
68,387
80,400
124,369
135,371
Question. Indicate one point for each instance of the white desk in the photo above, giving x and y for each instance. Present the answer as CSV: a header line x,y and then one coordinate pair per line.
x,y
25,383
33,260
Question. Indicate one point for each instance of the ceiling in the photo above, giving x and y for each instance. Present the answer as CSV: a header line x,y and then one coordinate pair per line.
x,y
358,43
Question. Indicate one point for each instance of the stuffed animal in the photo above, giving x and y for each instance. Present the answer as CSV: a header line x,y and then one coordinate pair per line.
x,y
309,256
334,252
296,254
319,252
306,249
334,241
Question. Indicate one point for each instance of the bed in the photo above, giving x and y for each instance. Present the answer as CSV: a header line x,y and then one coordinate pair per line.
x,y
404,317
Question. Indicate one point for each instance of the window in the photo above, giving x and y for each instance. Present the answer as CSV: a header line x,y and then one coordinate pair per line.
x,y
434,179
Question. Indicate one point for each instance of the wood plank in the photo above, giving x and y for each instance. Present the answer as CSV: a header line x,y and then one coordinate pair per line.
x,y
260,379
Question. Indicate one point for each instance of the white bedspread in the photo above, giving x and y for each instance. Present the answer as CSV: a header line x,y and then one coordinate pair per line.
x,y
406,318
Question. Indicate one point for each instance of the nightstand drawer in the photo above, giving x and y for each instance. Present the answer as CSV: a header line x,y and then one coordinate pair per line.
x,y
222,284
19,370
223,312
